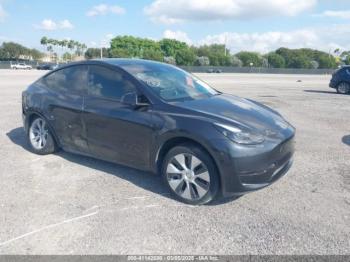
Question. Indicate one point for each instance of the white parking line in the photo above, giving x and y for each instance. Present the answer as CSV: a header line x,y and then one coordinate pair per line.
x,y
48,227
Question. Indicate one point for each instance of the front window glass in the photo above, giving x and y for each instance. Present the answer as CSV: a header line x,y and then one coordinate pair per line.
x,y
107,83
170,83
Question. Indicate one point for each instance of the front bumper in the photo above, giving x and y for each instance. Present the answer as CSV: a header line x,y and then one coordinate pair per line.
x,y
25,122
333,83
255,169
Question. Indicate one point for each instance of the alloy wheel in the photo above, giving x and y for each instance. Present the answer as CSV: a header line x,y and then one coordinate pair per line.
x,y
188,176
38,134
343,88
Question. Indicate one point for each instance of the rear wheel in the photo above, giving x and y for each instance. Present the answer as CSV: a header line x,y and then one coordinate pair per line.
x,y
190,175
343,88
40,138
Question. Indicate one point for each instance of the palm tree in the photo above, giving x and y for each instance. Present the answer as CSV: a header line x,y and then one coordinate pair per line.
x,y
76,45
43,41
71,48
84,47
61,44
50,50
54,43
65,45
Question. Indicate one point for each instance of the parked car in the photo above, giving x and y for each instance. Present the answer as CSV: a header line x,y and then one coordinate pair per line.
x,y
341,80
21,66
211,70
159,118
47,67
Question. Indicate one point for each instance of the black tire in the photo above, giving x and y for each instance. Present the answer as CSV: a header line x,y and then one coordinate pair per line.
x,y
191,150
50,144
343,88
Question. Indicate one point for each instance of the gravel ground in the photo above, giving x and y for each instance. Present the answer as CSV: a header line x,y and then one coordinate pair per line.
x,y
69,204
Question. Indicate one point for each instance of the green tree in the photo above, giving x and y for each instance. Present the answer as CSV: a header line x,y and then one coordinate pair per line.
x,y
300,61
119,53
71,46
301,58
236,62
276,60
150,54
129,46
249,58
170,47
344,55
347,60
170,60
66,56
314,64
216,54
44,41
202,61
92,53
327,61
36,54
186,57
15,51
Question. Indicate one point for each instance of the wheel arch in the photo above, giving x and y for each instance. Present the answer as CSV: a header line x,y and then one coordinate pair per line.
x,y
177,141
31,115
343,81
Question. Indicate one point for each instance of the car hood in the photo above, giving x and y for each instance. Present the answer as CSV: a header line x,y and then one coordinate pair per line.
x,y
240,112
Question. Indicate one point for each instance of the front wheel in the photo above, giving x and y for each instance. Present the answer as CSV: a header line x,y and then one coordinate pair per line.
x,y
40,138
343,88
190,174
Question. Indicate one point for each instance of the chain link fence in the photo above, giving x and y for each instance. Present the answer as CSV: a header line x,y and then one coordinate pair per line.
x,y
256,70
220,69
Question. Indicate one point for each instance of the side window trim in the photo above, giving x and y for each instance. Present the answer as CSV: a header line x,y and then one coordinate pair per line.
x,y
70,90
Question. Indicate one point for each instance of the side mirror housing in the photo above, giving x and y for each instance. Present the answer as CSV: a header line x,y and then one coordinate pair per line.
x,y
132,99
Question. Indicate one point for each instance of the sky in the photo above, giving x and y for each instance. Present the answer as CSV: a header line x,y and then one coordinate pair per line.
x,y
251,25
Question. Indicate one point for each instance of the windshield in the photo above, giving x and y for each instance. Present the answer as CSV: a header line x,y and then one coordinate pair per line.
x,y
170,83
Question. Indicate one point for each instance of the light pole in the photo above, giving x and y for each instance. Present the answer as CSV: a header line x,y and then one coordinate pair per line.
x,y
104,44
225,44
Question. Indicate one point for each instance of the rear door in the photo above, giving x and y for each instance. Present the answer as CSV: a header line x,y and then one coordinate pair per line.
x,y
63,107
116,132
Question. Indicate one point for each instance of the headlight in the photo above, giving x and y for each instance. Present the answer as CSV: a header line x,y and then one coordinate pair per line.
x,y
240,136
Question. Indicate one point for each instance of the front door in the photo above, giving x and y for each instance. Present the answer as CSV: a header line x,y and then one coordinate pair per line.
x,y
116,132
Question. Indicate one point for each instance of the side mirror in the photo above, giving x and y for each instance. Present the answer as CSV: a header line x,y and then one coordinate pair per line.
x,y
132,99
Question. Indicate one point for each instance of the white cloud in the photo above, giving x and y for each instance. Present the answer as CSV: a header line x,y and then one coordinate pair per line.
x,y
3,38
3,14
170,11
104,9
109,36
50,25
178,35
336,14
47,24
65,24
323,38
105,41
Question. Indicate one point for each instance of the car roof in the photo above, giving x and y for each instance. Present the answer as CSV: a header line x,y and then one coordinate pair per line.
x,y
118,62
127,61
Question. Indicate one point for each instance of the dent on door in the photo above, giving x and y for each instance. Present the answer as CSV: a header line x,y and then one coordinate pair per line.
x,y
65,115
117,132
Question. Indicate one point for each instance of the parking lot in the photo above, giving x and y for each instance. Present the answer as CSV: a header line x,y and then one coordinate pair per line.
x,y
69,204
